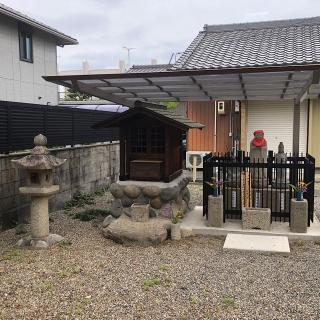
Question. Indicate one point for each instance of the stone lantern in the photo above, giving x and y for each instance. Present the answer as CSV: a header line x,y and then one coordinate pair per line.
x,y
39,165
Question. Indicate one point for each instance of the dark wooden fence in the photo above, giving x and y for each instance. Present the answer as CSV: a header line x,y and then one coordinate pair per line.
x,y
20,122
238,173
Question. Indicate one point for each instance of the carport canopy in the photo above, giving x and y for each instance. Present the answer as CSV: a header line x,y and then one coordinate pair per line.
x,y
269,83
292,82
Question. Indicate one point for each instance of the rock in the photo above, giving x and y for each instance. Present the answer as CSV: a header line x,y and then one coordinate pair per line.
x,y
39,244
132,191
166,211
151,191
156,203
186,232
24,242
126,201
127,211
116,208
123,230
116,190
54,238
183,183
184,206
186,194
179,198
168,194
152,213
107,220
142,200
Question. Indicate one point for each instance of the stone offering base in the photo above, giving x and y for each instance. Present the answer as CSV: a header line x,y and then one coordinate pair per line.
x,y
299,216
256,218
124,229
41,243
215,211
162,197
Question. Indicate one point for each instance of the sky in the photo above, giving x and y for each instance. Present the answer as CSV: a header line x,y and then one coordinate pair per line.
x,y
155,28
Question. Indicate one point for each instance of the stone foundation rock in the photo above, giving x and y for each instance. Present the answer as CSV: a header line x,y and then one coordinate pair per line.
x,y
157,194
41,243
122,230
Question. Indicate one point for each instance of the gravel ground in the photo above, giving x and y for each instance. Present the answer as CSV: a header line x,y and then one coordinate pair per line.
x,y
94,278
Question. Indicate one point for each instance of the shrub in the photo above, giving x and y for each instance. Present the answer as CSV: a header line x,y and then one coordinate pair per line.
x,y
79,199
91,214
21,228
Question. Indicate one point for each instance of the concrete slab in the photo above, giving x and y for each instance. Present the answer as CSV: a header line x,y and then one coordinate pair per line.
x,y
258,243
195,221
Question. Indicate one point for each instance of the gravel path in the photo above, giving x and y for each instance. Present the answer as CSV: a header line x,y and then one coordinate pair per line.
x,y
94,278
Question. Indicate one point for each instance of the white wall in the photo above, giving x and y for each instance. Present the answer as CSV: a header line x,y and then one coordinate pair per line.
x,y
276,119
22,81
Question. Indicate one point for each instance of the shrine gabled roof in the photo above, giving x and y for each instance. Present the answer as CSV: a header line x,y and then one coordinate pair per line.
x,y
159,112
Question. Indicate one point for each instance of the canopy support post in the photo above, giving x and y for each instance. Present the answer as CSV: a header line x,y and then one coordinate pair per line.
x,y
296,127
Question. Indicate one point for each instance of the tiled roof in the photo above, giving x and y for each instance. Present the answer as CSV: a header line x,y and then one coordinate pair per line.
x,y
62,38
271,43
159,111
149,68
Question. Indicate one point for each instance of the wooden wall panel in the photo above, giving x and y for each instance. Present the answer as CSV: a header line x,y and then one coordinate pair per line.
x,y
201,140
204,140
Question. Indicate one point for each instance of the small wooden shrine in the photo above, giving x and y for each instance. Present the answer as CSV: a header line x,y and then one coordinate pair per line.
x,y
150,141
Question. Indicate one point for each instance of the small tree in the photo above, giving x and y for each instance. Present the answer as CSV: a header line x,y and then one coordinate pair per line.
x,y
72,95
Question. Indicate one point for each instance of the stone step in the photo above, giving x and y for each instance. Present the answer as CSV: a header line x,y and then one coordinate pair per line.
x,y
258,243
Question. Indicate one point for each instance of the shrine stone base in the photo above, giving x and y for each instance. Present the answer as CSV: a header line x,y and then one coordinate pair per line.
x,y
39,243
256,218
163,198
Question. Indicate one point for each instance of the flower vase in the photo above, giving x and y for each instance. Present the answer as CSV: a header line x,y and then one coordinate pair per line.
x,y
299,195
215,192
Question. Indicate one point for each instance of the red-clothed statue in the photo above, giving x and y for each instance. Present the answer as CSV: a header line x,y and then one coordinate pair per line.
x,y
259,154
259,140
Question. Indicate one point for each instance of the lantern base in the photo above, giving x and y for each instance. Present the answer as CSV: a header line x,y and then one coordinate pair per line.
x,y
39,243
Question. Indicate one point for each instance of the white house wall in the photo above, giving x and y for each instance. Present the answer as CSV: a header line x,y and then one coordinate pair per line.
x,y
22,81
276,119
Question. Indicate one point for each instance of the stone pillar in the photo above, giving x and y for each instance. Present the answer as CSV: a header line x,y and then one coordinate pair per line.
x,y
175,231
39,217
299,216
215,211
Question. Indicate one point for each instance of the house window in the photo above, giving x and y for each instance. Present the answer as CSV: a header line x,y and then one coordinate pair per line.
x,y
25,45
157,140
139,140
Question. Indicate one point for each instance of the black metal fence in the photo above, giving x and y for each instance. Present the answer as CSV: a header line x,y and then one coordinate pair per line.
x,y
20,122
258,184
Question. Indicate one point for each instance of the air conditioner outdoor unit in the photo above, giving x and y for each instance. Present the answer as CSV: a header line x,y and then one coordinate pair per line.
x,y
198,155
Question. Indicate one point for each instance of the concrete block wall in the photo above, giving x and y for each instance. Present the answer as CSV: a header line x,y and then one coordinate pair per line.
x,y
87,168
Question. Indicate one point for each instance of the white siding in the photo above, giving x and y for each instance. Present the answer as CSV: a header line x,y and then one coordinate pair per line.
x,y
22,81
276,119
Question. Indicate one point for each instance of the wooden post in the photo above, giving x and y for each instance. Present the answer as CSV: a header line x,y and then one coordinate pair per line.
x,y
296,127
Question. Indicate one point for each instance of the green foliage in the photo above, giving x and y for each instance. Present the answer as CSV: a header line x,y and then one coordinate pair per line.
x,y
72,95
228,301
174,220
64,243
101,190
12,254
21,228
194,300
91,214
164,267
169,104
149,283
79,199
46,285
